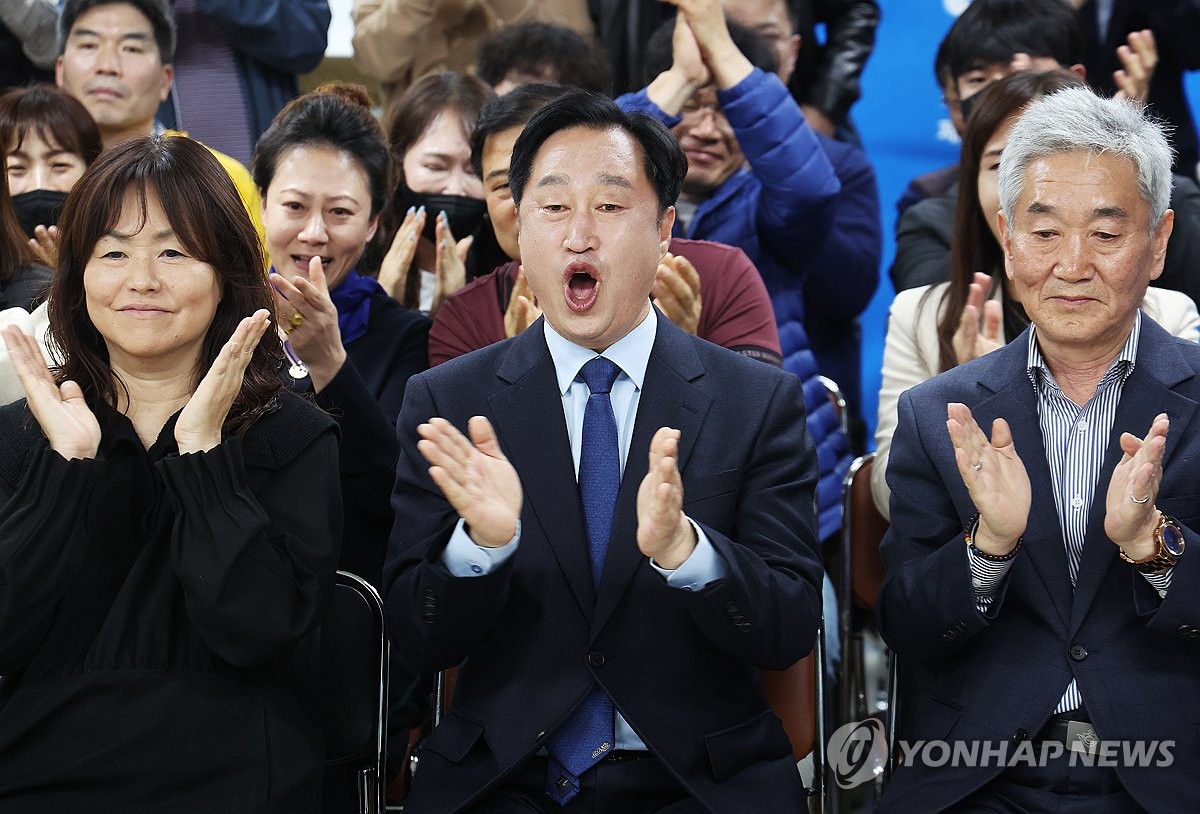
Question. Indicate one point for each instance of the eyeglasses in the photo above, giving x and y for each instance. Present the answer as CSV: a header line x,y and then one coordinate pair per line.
x,y
695,110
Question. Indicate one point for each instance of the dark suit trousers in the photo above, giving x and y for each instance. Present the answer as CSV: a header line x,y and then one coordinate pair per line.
x,y
1056,788
635,786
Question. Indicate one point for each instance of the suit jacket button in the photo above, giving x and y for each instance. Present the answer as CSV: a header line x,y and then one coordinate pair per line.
x,y
1020,735
595,659
1077,652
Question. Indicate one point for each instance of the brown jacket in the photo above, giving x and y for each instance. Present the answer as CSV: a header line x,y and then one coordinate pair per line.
x,y
398,41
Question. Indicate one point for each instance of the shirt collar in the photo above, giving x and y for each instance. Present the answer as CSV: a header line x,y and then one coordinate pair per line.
x,y
1036,363
631,352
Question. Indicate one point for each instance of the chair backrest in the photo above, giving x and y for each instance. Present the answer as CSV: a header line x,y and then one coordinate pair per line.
x,y
354,667
862,529
834,392
797,696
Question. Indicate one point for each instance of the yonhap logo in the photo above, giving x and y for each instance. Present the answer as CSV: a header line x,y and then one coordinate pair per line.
x,y
857,752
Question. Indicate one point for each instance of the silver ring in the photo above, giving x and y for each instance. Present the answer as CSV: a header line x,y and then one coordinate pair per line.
x,y
1146,499
979,465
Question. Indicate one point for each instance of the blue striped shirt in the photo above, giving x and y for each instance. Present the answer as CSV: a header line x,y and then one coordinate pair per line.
x,y
1075,439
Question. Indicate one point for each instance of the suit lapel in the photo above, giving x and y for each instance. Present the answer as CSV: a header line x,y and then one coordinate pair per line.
x,y
669,398
1146,393
532,432
1016,402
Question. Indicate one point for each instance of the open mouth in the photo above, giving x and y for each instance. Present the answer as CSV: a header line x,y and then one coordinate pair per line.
x,y
301,260
581,286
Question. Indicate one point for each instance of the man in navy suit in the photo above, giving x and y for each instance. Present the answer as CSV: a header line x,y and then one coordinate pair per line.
x,y
1041,589
711,570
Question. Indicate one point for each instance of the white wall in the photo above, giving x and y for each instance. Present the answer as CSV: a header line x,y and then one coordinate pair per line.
x,y
341,28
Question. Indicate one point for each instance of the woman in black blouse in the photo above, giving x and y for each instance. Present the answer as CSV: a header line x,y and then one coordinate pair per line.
x,y
169,517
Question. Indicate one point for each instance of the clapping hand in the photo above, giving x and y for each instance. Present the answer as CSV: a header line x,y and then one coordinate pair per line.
x,y
972,339
994,475
61,411
44,245
1138,60
393,271
308,316
663,531
1130,515
522,308
676,292
451,269
198,428
475,476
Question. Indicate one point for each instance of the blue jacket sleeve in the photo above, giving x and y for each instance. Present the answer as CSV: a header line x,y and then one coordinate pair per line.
x,y
846,265
287,35
798,181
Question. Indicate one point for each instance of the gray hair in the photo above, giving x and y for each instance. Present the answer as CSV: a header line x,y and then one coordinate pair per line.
x,y
1074,119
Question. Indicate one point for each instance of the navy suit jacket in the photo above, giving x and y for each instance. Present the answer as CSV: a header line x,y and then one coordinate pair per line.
x,y
682,667
998,677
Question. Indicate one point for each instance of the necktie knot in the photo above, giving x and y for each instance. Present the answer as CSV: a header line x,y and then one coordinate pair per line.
x,y
599,374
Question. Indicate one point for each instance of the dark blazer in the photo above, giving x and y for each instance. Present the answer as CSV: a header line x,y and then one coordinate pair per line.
x,y
681,666
998,677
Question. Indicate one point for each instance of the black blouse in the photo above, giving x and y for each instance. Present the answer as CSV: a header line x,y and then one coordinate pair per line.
x,y
156,612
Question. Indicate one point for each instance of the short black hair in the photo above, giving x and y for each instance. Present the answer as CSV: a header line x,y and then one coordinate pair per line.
x,y
659,53
663,160
336,115
160,15
512,109
991,31
551,52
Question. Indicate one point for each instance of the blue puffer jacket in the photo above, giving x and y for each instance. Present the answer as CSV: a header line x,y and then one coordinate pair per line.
x,y
786,218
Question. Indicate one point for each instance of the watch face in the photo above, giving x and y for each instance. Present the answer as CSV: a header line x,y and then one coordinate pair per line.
x,y
1172,539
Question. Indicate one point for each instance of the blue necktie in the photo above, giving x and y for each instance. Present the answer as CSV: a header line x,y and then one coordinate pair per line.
x,y
587,735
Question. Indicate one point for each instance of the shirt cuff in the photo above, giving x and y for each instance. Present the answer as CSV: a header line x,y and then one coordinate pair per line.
x,y
986,577
703,565
1161,582
463,558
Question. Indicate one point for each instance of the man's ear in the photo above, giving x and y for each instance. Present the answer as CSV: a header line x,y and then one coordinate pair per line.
x,y
1005,243
791,54
1079,70
665,227
168,77
58,71
1160,237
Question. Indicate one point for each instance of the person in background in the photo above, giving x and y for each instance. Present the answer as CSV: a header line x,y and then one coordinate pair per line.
x,y
115,56
541,53
51,139
854,245
710,290
28,42
932,329
399,41
236,65
1175,27
323,168
977,51
23,281
760,179
171,517
435,226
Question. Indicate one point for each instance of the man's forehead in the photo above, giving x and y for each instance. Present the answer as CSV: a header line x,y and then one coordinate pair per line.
x,y
133,22
600,149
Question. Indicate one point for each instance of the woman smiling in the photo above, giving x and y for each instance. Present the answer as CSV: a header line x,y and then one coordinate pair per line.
x,y
169,517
